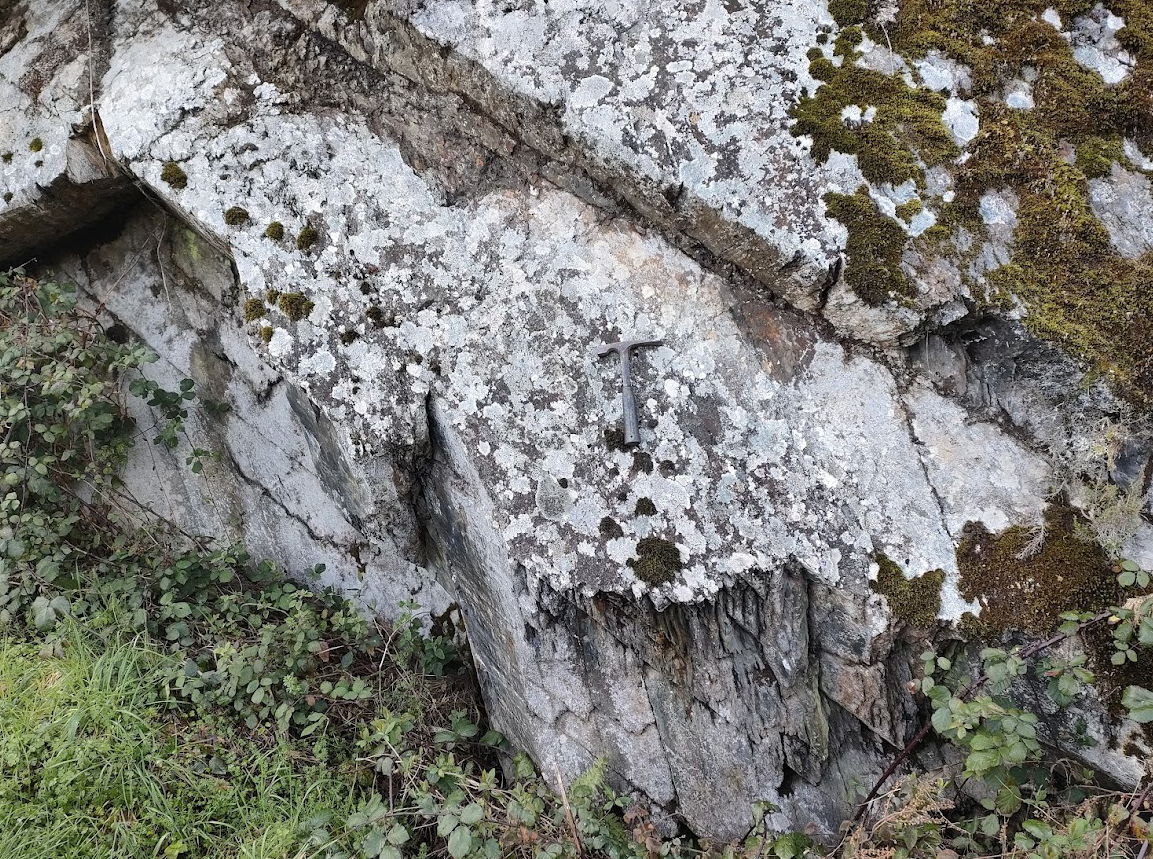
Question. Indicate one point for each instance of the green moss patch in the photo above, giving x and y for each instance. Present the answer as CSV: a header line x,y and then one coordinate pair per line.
x,y
657,562
236,216
253,309
295,305
36,145
645,507
275,231
917,600
1076,289
1025,590
307,237
172,174
266,333
875,247
906,131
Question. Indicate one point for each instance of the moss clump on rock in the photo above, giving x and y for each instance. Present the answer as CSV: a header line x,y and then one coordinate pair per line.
x,y
1096,155
274,231
645,507
307,237
36,145
1022,586
174,175
847,12
657,561
6,157
349,336
379,318
615,439
917,600
907,211
253,309
236,216
295,305
266,333
8,196
1075,288
906,131
875,248
610,529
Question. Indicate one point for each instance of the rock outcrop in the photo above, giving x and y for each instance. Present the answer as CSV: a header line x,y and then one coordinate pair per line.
x,y
388,238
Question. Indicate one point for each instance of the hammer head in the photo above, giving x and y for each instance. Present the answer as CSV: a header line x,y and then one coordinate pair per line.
x,y
623,347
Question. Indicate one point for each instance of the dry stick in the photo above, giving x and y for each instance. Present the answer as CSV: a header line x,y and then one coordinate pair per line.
x,y
1135,805
974,686
568,812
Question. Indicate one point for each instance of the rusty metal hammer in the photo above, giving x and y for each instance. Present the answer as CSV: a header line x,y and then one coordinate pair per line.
x,y
628,398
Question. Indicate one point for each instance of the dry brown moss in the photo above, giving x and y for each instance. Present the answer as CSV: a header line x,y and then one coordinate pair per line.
x,y
610,529
172,174
1019,591
253,309
236,216
645,507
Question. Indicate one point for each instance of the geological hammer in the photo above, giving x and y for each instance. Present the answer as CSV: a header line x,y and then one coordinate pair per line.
x,y
628,398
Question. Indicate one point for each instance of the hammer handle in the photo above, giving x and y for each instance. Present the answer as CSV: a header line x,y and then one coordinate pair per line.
x,y
629,407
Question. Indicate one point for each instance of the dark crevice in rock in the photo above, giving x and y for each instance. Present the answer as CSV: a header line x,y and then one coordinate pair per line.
x,y
89,191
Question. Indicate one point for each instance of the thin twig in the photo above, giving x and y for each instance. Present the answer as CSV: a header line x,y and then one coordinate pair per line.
x,y
568,812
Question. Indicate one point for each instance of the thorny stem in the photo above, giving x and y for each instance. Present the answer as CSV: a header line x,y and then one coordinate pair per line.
x,y
974,686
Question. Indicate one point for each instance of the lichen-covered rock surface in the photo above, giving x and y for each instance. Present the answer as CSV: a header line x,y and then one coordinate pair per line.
x,y
395,263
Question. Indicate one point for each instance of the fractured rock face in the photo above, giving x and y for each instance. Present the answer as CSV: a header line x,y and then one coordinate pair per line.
x,y
406,340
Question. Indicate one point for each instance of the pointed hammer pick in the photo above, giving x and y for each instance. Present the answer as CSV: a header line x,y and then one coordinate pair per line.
x,y
628,398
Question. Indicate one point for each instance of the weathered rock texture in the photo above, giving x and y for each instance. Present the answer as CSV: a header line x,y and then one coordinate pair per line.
x,y
414,402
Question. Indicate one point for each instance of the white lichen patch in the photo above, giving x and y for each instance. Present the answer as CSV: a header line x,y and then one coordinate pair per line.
x,y
740,465
1123,201
1095,45
960,117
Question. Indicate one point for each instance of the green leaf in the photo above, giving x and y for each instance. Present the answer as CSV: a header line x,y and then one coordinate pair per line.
x,y
980,763
471,813
398,835
374,843
791,845
448,823
1139,702
460,842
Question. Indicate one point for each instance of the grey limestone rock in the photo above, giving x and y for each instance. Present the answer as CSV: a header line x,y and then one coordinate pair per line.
x,y
417,407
